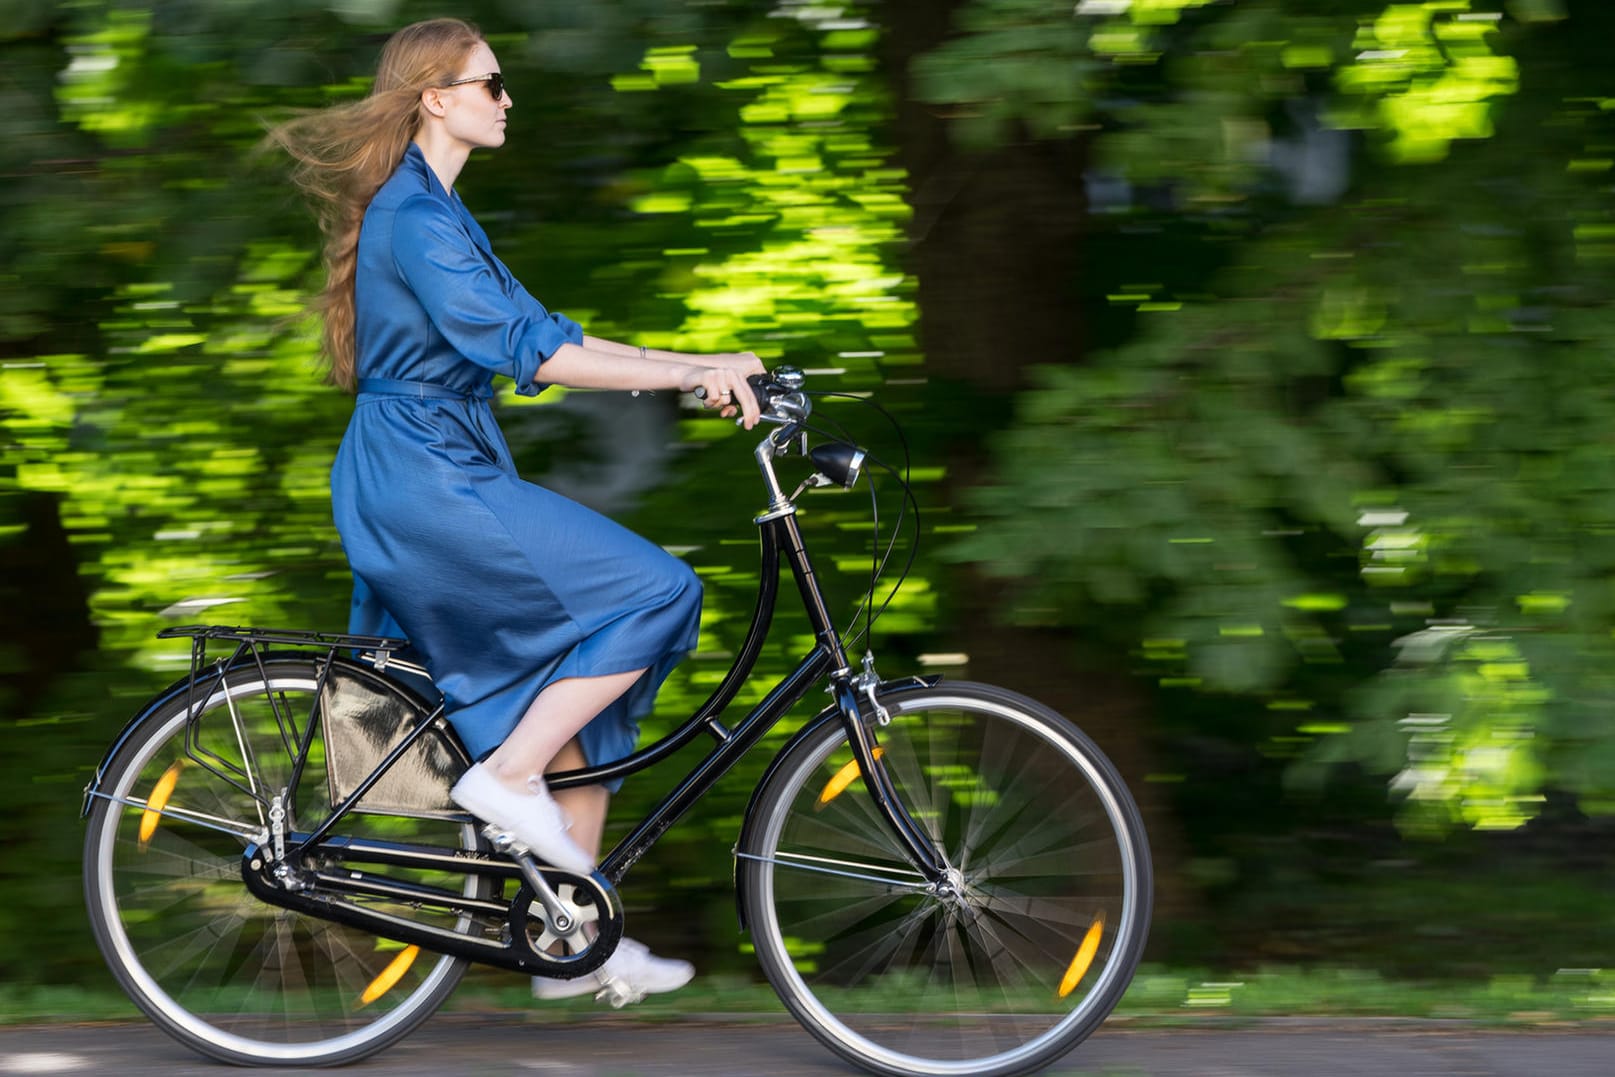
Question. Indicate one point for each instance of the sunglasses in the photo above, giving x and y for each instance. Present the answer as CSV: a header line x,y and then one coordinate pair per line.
x,y
495,81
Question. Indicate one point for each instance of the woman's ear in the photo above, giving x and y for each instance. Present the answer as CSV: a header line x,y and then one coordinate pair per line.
x,y
432,100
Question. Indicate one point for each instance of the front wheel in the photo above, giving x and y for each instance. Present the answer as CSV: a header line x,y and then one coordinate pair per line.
x,y
1018,955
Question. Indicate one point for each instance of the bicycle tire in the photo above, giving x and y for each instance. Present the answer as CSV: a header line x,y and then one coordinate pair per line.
x,y
1052,870
229,976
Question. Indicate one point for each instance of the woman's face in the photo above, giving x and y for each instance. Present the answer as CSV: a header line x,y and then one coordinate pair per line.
x,y
471,114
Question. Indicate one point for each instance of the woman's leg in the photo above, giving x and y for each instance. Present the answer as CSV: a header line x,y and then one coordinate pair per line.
x,y
552,720
585,805
544,740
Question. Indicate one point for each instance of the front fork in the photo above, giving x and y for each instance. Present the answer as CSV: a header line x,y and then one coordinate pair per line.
x,y
926,857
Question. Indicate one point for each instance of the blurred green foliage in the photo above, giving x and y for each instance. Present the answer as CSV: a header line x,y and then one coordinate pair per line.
x,y
1380,417
1324,467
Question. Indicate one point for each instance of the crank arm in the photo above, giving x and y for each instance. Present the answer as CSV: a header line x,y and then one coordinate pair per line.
x,y
560,921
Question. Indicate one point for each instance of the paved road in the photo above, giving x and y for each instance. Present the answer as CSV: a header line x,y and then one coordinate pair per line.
x,y
504,1044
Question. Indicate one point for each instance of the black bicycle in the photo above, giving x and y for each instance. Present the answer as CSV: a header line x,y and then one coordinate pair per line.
x,y
937,877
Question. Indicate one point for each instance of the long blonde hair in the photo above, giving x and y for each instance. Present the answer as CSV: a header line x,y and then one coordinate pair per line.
x,y
345,153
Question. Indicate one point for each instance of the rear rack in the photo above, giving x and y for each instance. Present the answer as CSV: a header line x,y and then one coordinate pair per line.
x,y
289,636
366,732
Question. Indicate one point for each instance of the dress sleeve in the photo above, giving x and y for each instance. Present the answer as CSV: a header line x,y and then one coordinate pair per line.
x,y
505,330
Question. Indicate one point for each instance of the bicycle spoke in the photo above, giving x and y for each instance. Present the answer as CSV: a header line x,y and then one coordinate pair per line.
x,y
204,940
876,946
1021,955
837,923
922,790
868,835
176,858
350,972
1006,903
1039,859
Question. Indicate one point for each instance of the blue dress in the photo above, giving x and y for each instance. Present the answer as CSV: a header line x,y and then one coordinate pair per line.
x,y
501,586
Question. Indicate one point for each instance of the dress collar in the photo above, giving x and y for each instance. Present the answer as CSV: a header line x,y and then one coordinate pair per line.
x,y
415,170
415,163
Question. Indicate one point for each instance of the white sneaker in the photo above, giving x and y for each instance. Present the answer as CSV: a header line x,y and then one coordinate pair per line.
x,y
535,820
629,974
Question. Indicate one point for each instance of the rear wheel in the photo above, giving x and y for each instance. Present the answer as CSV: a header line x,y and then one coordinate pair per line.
x,y
230,976
1030,943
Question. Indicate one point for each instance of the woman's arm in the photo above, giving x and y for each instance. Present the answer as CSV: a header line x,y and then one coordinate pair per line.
x,y
743,362
603,364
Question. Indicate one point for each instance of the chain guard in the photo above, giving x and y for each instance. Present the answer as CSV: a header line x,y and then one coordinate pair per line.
x,y
525,935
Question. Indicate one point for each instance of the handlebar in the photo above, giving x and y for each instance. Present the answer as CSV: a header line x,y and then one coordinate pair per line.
x,y
780,397
782,400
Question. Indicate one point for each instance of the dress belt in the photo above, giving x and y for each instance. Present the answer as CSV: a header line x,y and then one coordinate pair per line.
x,y
421,390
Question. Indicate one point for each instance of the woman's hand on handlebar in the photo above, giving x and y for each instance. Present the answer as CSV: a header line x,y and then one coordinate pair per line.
x,y
725,388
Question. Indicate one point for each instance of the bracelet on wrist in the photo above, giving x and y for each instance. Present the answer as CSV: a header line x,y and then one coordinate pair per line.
x,y
647,392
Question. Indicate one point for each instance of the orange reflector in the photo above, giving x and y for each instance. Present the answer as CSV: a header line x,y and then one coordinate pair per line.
x,y
159,800
1079,964
843,778
390,975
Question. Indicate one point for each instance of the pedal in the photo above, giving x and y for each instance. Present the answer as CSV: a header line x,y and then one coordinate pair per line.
x,y
618,994
504,842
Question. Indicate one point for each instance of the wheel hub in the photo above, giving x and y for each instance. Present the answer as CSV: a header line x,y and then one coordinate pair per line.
x,y
951,888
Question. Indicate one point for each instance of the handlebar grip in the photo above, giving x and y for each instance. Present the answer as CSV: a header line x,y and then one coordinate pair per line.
x,y
761,384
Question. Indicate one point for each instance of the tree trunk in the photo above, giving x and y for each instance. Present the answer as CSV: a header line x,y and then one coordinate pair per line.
x,y
996,235
46,631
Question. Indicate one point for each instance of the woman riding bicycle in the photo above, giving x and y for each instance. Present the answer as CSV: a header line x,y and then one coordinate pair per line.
x,y
548,627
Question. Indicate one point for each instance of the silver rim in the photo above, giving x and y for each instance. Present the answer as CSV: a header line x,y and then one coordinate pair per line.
x,y
199,1027
1099,993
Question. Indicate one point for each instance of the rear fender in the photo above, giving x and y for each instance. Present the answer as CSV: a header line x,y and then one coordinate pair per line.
x,y
159,702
